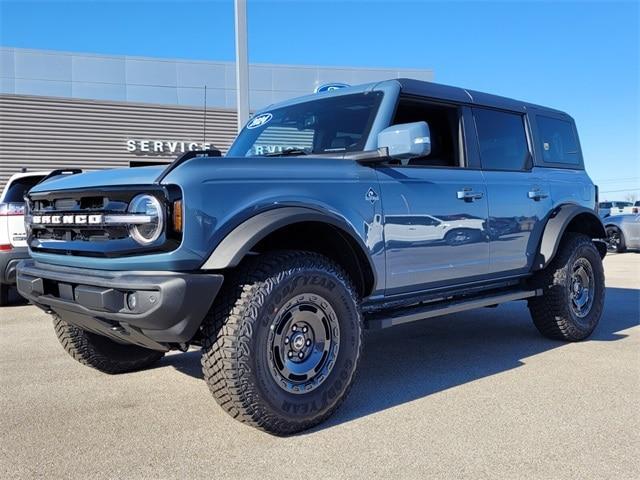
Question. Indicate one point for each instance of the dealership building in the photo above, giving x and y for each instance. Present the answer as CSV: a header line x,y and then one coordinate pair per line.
x,y
77,110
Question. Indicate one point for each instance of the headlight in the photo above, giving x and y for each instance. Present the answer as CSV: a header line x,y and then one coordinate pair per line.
x,y
149,231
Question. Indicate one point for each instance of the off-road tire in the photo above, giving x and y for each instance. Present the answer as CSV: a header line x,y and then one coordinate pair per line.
x,y
236,334
552,312
101,352
4,294
621,246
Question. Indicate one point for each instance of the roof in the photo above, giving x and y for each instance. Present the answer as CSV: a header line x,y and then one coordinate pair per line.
x,y
432,90
462,95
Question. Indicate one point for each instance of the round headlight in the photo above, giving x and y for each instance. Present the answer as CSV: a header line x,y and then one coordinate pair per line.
x,y
148,227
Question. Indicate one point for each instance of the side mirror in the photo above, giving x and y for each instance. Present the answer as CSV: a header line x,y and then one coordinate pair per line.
x,y
406,141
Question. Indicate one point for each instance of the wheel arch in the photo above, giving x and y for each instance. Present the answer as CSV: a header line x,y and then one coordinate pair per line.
x,y
568,218
297,228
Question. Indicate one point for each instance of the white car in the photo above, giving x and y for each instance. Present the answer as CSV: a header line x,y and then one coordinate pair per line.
x,y
423,228
606,209
13,239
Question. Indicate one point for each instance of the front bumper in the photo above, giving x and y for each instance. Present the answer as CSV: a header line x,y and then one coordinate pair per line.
x,y
169,306
9,261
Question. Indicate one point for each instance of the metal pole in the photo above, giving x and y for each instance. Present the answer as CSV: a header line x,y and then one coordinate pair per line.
x,y
242,63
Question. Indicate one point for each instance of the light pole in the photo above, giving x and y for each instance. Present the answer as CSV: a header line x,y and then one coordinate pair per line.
x,y
242,63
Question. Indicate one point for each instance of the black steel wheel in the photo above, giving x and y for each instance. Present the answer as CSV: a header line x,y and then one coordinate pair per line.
x,y
581,287
303,343
282,343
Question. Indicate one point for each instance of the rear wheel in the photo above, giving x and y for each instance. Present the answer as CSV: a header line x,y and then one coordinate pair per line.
x,y
4,294
615,240
102,353
282,344
573,291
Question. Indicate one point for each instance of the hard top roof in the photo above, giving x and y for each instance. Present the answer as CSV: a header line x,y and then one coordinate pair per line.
x,y
431,90
463,95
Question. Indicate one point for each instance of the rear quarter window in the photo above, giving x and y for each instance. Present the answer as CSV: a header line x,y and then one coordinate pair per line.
x,y
19,187
558,141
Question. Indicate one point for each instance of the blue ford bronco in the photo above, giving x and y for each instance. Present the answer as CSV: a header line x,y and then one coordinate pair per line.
x,y
354,209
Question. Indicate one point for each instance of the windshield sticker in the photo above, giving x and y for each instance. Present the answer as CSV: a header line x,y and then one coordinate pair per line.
x,y
259,121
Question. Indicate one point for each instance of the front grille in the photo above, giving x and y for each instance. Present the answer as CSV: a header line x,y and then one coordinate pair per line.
x,y
56,235
79,204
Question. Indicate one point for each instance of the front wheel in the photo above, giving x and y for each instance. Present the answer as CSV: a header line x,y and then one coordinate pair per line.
x,y
282,344
101,352
573,291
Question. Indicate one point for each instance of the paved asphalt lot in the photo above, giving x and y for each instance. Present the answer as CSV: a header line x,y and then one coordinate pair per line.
x,y
474,395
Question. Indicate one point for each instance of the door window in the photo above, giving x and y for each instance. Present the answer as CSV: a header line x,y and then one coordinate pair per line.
x,y
444,129
502,140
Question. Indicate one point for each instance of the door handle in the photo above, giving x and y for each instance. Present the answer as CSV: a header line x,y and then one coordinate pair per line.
x,y
537,194
469,195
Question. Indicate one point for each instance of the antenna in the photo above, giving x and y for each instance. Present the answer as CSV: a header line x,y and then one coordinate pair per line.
x,y
204,130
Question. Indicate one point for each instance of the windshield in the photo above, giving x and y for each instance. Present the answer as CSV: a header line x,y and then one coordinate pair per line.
x,y
334,124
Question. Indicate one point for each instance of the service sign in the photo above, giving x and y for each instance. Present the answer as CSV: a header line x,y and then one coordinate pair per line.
x,y
166,147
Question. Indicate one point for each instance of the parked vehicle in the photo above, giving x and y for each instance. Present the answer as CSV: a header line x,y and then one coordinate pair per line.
x,y
632,209
13,239
623,232
329,214
606,209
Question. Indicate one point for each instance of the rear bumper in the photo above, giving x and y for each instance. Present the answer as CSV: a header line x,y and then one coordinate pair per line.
x,y
169,306
9,261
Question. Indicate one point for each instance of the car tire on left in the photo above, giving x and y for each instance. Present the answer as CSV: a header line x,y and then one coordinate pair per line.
x,y
4,294
101,352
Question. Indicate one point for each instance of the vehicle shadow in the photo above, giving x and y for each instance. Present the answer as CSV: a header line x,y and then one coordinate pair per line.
x,y
408,362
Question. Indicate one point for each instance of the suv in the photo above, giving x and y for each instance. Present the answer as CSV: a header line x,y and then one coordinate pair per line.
x,y
330,214
606,209
13,239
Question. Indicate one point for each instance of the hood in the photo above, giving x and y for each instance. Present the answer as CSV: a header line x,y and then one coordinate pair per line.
x,y
102,178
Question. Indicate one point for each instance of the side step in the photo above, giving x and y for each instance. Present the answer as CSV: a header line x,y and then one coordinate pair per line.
x,y
411,314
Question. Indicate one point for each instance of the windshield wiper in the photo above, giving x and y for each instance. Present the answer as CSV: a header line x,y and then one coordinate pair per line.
x,y
286,152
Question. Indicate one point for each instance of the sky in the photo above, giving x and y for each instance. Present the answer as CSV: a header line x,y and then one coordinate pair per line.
x,y
578,56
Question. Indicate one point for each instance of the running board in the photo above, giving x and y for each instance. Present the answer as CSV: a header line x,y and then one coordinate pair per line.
x,y
406,315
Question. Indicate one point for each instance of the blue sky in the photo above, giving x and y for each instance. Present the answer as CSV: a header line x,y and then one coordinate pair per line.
x,y
581,57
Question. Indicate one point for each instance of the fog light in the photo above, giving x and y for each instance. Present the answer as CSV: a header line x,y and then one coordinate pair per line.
x,y
132,301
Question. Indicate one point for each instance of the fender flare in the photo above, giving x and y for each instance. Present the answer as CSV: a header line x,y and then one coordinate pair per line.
x,y
237,243
557,224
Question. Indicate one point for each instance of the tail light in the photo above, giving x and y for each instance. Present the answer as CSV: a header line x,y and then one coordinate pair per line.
x,y
11,209
5,247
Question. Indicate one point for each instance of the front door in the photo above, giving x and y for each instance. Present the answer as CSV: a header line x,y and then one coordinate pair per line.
x,y
434,226
435,208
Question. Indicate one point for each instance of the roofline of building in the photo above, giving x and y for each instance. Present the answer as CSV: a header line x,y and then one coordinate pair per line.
x,y
218,62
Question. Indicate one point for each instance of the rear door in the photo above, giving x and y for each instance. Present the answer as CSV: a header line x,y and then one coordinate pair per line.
x,y
518,195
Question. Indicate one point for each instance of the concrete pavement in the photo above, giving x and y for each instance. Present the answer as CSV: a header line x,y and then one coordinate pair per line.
x,y
473,395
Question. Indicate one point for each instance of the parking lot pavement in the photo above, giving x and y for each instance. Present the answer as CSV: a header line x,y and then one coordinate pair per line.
x,y
474,395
